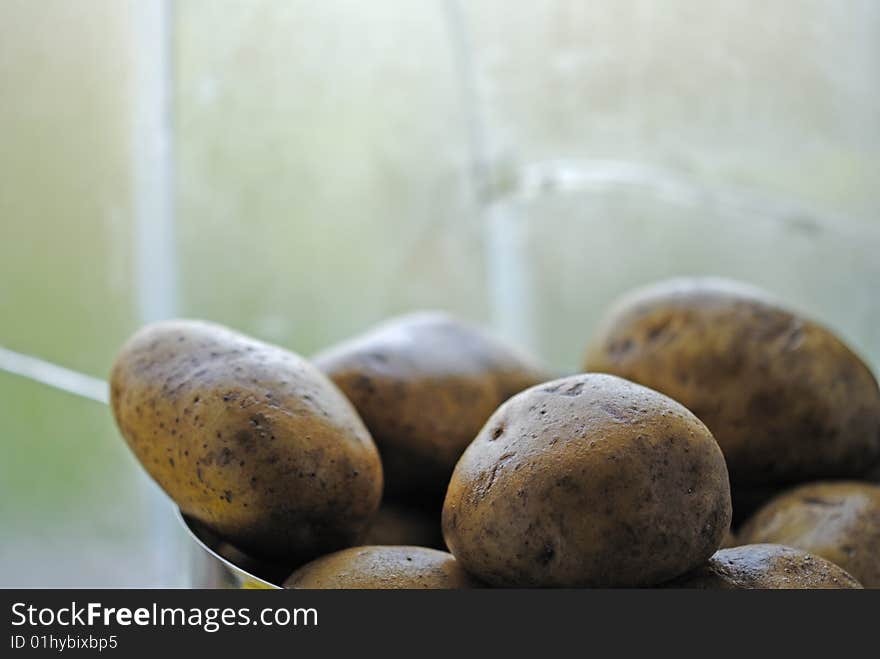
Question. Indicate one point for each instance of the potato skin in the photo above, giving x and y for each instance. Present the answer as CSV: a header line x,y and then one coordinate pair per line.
x,y
765,566
786,400
247,438
424,384
588,480
378,567
839,521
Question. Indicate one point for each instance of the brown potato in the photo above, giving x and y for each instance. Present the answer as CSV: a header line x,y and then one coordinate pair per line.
x,y
839,521
400,524
588,480
377,567
765,566
785,398
247,438
425,384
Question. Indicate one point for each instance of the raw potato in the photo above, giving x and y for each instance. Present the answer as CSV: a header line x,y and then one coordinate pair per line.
x,y
401,524
247,438
425,384
588,480
839,521
765,566
378,567
785,398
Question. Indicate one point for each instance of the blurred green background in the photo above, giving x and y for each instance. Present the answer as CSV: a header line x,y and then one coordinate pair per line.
x,y
337,162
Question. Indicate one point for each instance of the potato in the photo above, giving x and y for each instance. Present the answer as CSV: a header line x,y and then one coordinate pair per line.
x,y
425,384
248,439
786,399
588,480
400,524
377,567
839,521
765,566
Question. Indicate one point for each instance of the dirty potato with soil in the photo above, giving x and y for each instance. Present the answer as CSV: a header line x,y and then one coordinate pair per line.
x,y
247,438
784,397
424,384
838,520
588,480
765,566
378,567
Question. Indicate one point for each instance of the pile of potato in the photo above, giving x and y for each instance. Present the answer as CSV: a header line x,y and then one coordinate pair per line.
x,y
429,454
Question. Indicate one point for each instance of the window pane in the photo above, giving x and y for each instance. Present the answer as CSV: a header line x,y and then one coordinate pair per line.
x,y
739,92
74,507
65,198
650,139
